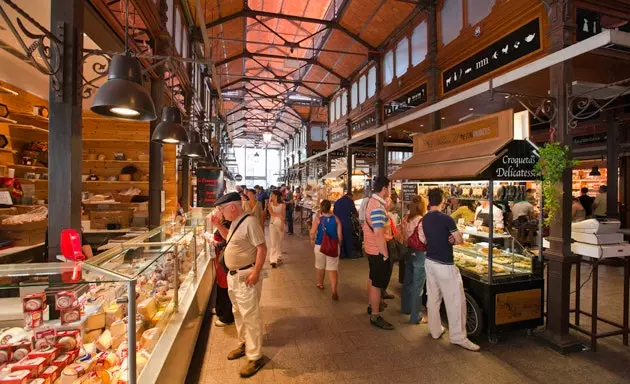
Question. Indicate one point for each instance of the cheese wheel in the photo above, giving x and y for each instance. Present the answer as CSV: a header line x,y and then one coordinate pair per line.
x,y
67,343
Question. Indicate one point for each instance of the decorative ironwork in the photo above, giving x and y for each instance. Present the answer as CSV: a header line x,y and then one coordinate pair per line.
x,y
41,48
587,105
541,108
100,66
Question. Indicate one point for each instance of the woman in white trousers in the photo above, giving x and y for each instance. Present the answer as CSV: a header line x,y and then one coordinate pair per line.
x,y
277,211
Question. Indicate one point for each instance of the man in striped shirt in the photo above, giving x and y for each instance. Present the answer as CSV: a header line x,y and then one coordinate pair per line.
x,y
376,249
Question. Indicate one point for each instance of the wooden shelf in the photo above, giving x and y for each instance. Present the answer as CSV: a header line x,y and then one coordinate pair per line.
x,y
29,167
116,161
6,120
34,181
29,118
29,128
7,150
115,182
117,141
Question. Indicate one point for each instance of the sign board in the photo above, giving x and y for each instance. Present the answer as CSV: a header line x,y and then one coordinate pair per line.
x,y
409,190
364,123
515,163
238,177
594,138
510,48
402,104
479,130
512,307
342,134
363,154
337,153
210,186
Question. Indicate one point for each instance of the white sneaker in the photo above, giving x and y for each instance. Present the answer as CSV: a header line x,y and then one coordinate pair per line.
x,y
469,345
442,330
219,323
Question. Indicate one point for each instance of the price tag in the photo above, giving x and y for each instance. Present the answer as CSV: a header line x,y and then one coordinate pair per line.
x,y
5,197
466,236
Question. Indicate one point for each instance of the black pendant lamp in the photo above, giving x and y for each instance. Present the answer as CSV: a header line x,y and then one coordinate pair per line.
x,y
194,149
595,172
123,96
170,130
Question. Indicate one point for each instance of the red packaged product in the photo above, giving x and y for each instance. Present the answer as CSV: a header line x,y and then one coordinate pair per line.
x,y
40,380
51,373
71,315
34,302
5,354
45,338
16,377
35,366
66,300
68,340
62,360
48,352
33,319
20,351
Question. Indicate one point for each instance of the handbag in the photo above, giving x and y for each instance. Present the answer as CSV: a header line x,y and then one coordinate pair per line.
x,y
329,246
414,241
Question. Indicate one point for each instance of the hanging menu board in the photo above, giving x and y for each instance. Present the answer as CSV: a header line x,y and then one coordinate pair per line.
x,y
402,104
409,191
516,45
364,123
210,186
589,23
516,163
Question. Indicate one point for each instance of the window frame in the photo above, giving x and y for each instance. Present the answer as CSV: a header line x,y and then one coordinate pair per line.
x,y
354,95
396,54
393,69
426,42
372,70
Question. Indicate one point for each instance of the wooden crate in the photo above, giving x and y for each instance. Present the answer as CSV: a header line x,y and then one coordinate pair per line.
x,y
100,219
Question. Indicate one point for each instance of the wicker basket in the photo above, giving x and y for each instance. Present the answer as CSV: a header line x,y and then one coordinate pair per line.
x,y
123,198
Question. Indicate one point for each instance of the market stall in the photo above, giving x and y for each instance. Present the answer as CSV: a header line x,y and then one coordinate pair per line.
x,y
69,323
481,161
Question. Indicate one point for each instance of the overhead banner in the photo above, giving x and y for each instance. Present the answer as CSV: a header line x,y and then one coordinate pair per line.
x,y
402,104
342,134
467,133
516,45
210,186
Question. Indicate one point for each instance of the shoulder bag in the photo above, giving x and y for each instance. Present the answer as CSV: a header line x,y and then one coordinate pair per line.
x,y
414,241
330,246
222,257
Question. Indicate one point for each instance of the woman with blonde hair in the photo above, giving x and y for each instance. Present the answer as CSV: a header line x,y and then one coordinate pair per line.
x,y
415,275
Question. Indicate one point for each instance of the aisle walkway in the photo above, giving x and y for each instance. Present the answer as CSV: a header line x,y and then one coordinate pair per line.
x,y
312,339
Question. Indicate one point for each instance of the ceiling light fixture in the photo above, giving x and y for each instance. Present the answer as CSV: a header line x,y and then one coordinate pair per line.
x,y
170,130
595,172
267,136
122,95
471,109
194,149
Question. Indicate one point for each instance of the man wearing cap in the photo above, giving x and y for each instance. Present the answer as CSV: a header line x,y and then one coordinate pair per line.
x,y
244,257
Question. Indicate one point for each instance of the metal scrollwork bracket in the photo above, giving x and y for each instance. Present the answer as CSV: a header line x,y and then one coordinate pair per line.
x,y
586,105
543,109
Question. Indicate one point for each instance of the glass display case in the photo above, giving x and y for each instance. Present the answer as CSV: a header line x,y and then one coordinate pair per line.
x,y
73,322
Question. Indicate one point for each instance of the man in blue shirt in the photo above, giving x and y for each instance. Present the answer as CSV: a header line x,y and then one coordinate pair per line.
x,y
345,210
443,278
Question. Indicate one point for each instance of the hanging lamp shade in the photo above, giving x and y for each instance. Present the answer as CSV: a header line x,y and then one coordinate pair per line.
x,y
170,130
267,136
123,96
194,149
595,172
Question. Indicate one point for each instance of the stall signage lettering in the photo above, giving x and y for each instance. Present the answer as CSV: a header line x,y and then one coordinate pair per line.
x,y
409,191
339,135
411,100
364,123
465,134
510,48
594,138
365,154
517,163
337,153
210,186
589,23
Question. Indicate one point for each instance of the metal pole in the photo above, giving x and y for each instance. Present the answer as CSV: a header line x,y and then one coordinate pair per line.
x,y
194,245
131,331
491,228
176,277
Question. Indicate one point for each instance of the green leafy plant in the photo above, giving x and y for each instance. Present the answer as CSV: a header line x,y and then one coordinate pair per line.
x,y
554,159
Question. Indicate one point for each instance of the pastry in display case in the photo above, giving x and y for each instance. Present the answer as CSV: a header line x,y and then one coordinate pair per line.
x,y
100,321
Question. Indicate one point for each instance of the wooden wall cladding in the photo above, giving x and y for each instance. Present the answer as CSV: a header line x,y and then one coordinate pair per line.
x,y
100,136
505,17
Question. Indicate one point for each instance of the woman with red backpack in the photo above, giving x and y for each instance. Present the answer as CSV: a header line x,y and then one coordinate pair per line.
x,y
415,275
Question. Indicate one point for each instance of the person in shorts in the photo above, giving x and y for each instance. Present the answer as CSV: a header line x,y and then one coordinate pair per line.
x,y
326,222
376,249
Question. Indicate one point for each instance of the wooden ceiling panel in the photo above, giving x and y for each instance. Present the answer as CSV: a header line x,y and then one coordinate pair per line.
x,y
265,5
380,26
358,13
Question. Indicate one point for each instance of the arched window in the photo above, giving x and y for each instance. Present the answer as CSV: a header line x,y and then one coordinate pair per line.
x,y
402,57
451,20
344,103
388,67
419,44
354,95
371,82
362,89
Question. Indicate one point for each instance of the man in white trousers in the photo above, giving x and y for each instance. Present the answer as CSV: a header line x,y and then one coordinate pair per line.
x,y
243,257
443,278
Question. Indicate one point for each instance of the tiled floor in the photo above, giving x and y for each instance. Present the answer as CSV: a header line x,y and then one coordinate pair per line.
x,y
311,339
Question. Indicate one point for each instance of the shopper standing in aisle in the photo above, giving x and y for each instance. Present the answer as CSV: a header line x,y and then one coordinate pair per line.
x,y
599,205
443,278
290,206
326,222
253,207
415,276
586,201
345,211
277,212
244,257
376,249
